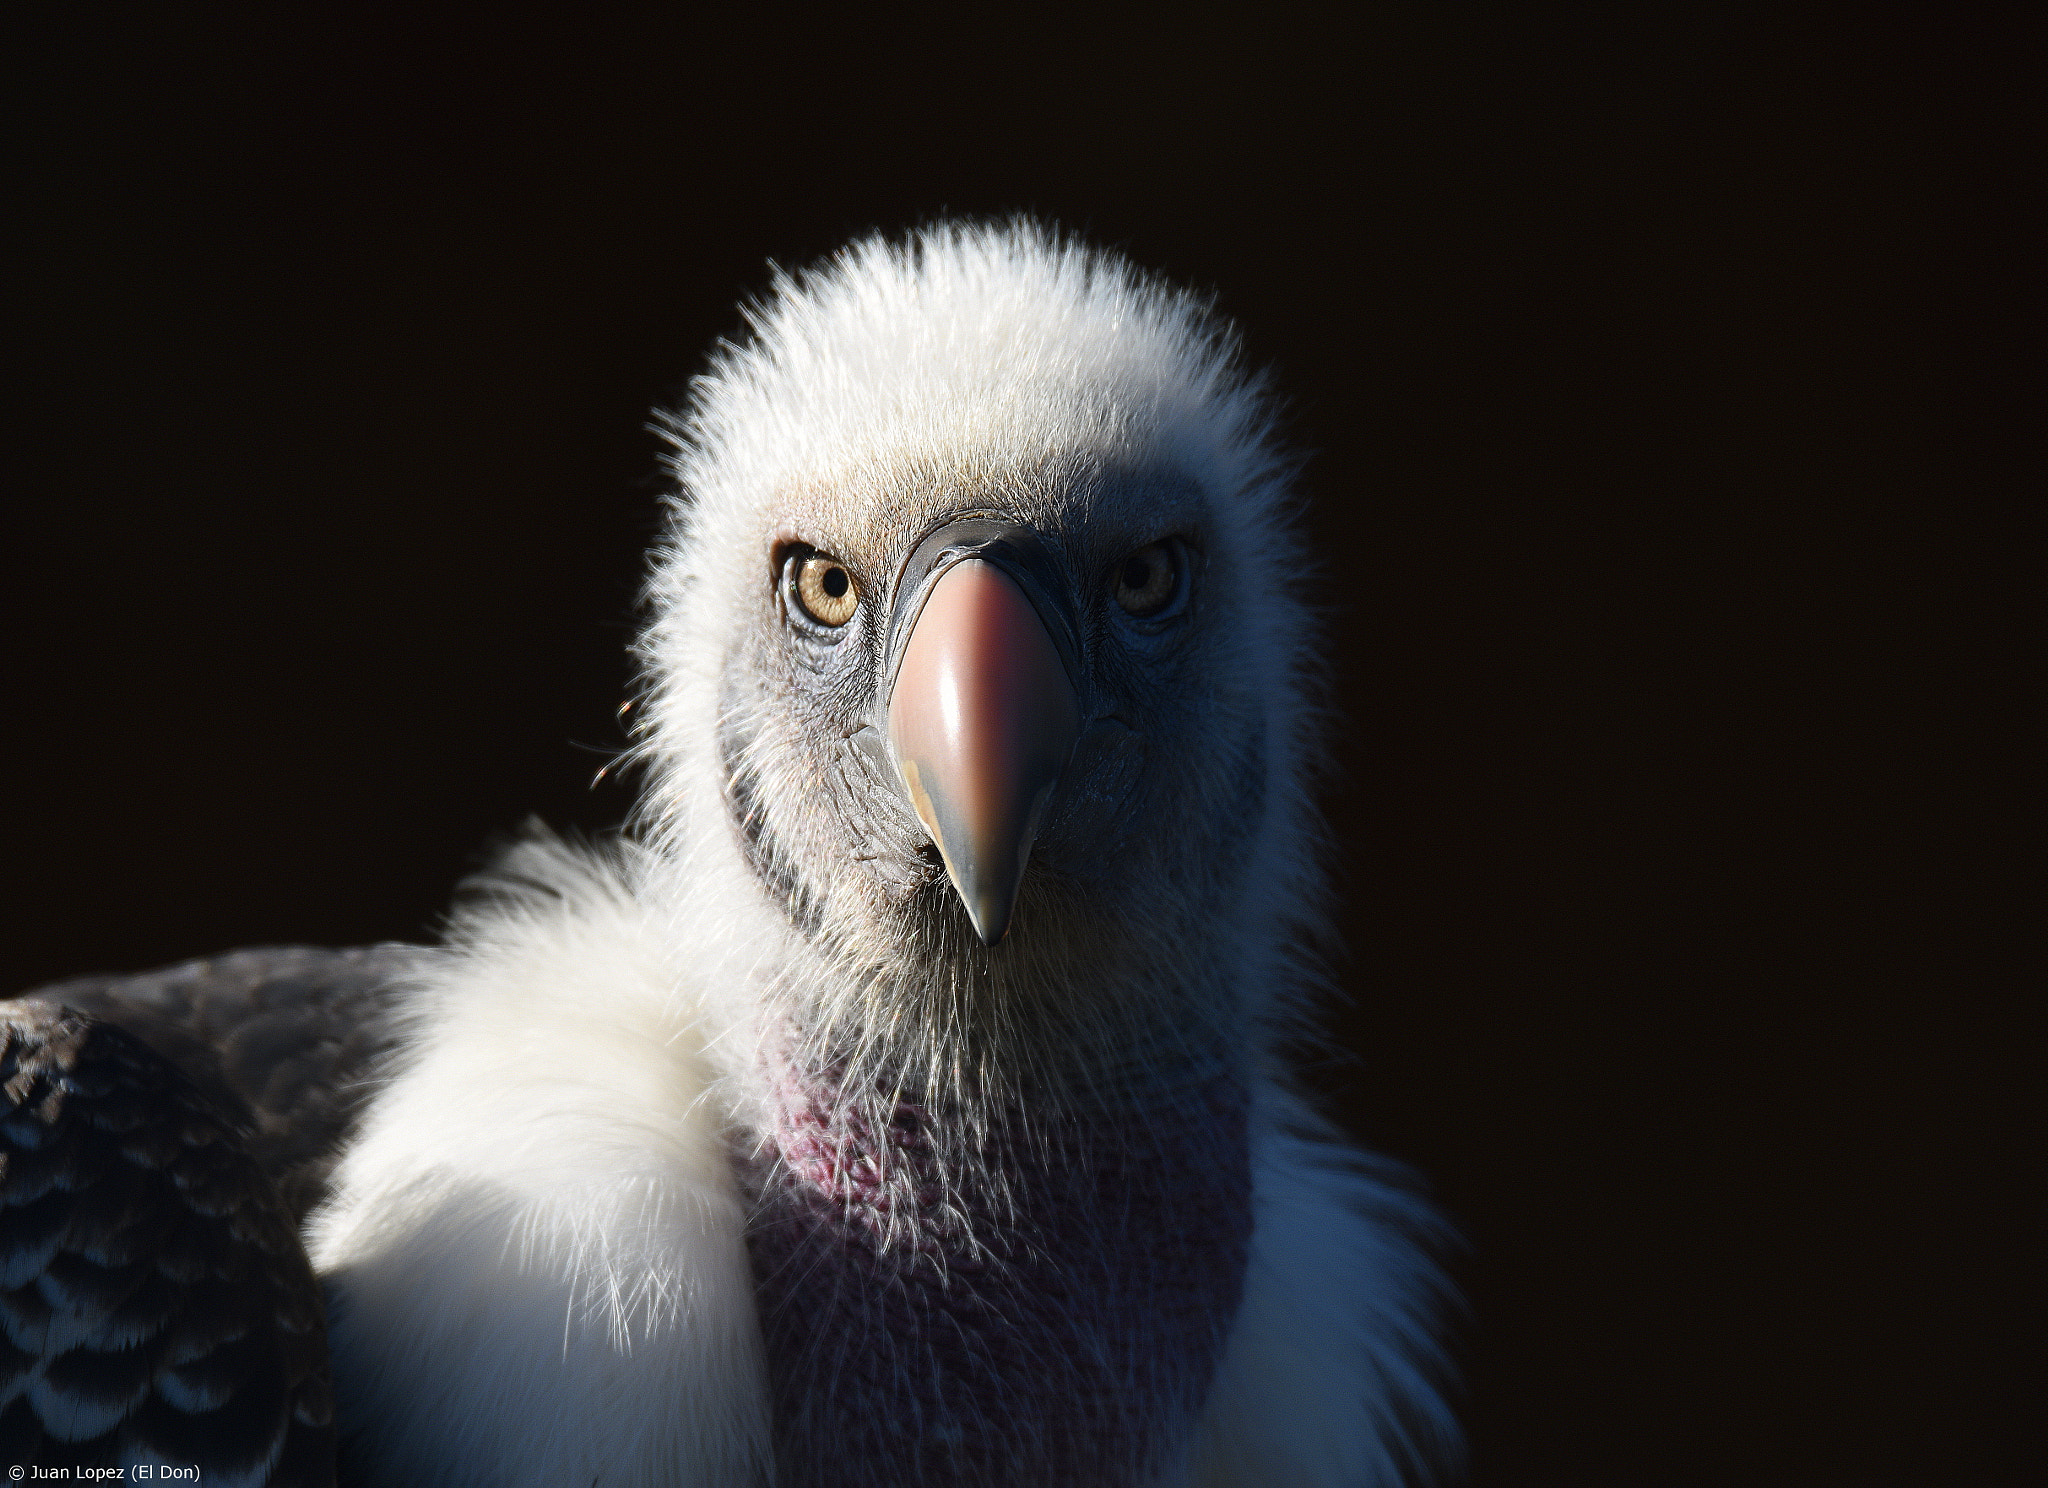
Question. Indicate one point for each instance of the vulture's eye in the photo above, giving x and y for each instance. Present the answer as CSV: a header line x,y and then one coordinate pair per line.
x,y
1149,580
824,589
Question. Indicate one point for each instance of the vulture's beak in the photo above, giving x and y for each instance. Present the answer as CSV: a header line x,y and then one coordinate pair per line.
x,y
982,707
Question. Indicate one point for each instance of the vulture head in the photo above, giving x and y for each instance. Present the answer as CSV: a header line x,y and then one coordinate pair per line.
x,y
979,640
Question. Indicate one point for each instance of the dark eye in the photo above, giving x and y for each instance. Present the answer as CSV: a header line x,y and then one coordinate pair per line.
x,y
825,589
1148,580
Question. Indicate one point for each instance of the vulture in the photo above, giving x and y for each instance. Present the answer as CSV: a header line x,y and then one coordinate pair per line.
x,y
904,1098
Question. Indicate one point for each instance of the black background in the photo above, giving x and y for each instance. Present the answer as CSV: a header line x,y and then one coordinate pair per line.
x,y
1662,378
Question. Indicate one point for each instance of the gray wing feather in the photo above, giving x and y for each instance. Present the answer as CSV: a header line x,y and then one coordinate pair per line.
x,y
286,1040
156,1304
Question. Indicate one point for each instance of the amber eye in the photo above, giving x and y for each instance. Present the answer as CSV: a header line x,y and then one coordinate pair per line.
x,y
825,589
1147,581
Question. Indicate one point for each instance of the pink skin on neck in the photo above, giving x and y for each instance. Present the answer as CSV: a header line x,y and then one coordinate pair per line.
x,y
1049,1310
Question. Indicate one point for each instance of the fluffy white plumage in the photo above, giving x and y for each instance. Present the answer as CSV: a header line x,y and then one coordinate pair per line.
x,y
537,1248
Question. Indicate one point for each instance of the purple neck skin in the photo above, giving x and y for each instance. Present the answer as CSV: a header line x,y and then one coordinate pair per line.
x,y
1050,1312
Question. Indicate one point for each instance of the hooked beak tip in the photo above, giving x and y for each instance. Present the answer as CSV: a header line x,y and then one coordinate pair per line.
x,y
991,921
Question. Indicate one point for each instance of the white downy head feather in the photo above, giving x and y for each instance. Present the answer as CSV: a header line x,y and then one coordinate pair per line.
x,y
1007,369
